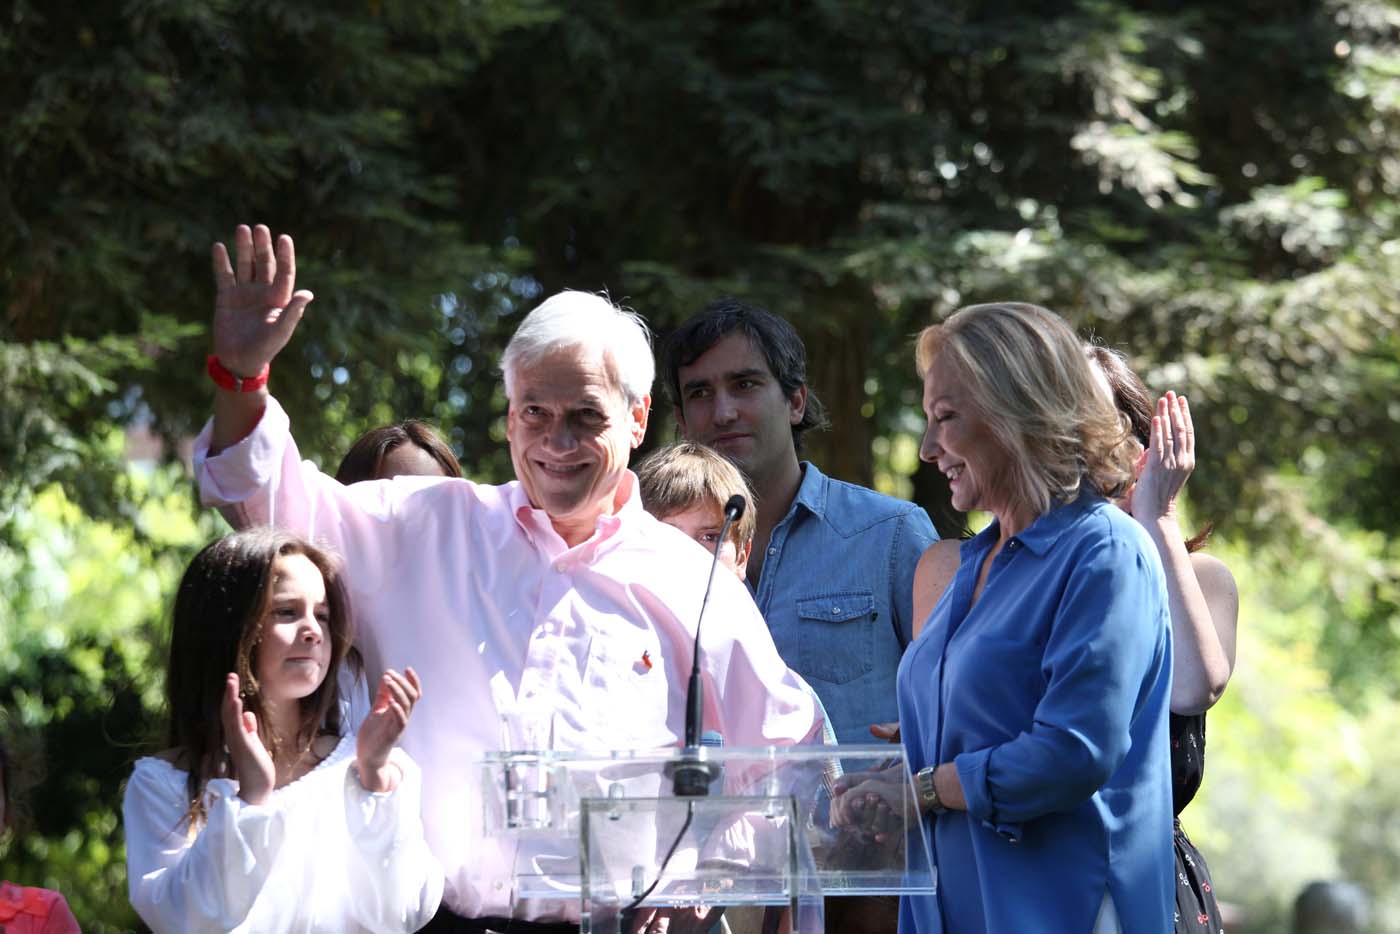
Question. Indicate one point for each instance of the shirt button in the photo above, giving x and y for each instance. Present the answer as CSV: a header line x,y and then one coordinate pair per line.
x,y
560,566
836,611
772,551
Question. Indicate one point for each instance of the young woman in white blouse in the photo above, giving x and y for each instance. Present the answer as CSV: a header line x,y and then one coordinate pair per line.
x,y
262,816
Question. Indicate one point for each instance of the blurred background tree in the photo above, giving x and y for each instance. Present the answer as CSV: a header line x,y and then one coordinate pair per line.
x,y
1210,187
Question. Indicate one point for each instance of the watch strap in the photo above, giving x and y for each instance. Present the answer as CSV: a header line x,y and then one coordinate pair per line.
x,y
929,801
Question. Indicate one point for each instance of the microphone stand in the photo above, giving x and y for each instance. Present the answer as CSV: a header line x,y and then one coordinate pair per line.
x,y
692,774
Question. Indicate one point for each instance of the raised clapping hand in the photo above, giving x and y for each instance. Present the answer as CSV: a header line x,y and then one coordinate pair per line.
x,y
252,763
1168,461
255,309
393,705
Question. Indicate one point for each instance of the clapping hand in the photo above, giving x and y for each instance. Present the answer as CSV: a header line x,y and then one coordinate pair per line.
x,y
1168,461
252,763
393,705
255,309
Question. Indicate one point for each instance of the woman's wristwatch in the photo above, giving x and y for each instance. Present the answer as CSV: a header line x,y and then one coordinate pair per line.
x,y
929,802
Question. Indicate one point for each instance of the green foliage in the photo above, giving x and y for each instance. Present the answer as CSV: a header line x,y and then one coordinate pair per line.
x,y
136,133
82,643
51,419
1299,786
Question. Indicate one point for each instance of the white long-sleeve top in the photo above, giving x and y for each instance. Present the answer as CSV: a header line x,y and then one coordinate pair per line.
x,y
323,854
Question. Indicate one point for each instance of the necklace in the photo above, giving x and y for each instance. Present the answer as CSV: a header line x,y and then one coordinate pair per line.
x,y
307,759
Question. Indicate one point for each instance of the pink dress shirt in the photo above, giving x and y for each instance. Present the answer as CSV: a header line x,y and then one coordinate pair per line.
x,y
521,641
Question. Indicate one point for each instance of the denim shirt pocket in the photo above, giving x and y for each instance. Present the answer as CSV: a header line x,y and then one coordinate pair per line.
x,y
837,640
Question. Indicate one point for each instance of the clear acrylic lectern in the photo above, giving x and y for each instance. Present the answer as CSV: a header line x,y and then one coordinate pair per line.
x,y
606,832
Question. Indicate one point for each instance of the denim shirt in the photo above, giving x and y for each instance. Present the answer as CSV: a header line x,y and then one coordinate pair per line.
x,y
1050,696
837,590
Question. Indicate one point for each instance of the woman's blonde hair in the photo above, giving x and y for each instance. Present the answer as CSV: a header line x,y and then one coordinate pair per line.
x,y
1025,371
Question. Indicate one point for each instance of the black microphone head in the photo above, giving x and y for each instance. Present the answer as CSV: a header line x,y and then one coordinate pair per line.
x,y
734,509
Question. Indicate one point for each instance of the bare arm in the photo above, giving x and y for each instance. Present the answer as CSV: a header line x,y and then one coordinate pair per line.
x,y
255,313
1204,608
1201,590
935,572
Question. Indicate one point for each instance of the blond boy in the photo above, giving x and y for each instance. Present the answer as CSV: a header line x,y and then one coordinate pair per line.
x,y
686,485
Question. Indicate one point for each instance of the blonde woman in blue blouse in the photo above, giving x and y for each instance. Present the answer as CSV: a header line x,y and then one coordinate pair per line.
x,y
1033,705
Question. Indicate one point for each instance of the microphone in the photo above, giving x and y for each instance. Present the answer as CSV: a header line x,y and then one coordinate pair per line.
x,y
691,776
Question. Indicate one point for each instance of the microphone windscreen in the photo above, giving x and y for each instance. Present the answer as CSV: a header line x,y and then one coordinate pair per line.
x,y
734,509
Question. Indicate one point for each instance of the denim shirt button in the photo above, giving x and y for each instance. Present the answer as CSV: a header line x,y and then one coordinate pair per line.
x,y
772,551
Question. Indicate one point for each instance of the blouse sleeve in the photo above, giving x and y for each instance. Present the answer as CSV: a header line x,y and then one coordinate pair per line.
x,y
1108,651
396,882
212,881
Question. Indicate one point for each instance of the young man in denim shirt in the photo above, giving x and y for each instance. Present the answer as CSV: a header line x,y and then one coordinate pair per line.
x,y
832,566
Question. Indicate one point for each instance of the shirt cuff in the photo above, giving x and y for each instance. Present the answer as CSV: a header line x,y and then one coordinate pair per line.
x,y
972,773
378,820
242,469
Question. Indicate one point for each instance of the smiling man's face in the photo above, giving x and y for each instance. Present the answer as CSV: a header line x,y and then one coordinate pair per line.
x,y
571,433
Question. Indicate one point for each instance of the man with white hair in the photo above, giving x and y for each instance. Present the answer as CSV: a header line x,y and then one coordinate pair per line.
x,y
550,612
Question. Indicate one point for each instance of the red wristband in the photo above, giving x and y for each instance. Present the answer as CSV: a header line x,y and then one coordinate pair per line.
x,y
225,379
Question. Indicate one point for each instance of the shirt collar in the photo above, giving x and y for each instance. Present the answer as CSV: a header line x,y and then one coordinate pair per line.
x,y
811,493
1042,534
540,530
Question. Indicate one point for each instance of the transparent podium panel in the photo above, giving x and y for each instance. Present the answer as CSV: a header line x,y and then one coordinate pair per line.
x,y
642,854
780,826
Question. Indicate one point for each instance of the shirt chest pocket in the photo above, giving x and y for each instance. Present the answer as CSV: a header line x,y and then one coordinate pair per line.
x,y
627,682
836,634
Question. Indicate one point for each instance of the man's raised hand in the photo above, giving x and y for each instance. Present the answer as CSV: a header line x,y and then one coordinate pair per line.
x,y
255,309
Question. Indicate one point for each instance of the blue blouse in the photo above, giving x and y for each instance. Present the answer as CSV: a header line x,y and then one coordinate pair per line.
x,y
1051,697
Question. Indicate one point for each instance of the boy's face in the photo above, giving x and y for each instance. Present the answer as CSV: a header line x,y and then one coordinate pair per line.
x,y
702,522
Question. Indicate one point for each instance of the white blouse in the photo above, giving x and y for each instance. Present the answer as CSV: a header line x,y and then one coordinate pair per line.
x,y
322,854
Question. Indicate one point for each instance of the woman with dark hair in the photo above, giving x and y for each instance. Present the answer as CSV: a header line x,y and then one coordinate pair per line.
x,y
1033,703
25,909
409,448
261,815
1204,605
